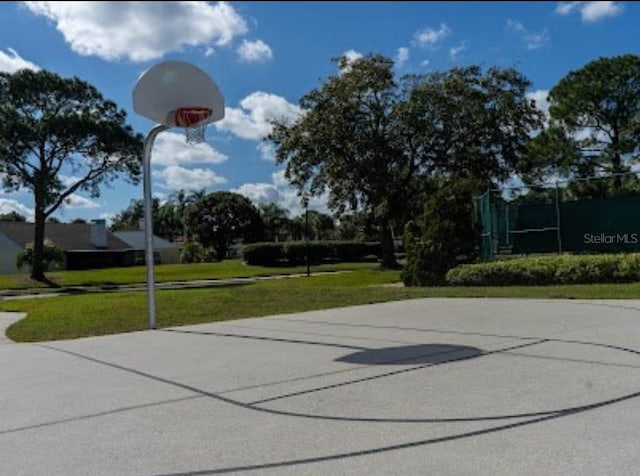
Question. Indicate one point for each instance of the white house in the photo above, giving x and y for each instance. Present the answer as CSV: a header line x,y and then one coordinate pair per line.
x,y
9,250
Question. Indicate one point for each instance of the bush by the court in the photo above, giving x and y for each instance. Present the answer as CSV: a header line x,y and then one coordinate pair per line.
x,y
443,236
545,270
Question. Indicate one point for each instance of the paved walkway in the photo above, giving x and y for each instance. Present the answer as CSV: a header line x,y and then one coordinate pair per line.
x,y
6,319
196,283
493,387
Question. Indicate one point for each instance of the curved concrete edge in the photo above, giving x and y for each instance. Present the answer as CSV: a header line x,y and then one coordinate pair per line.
x,y
6,319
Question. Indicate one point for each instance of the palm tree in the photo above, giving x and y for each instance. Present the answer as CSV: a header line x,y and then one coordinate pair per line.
x,y
182,201
276,221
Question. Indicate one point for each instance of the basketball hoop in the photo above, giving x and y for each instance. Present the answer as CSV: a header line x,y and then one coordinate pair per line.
x,y
171,94
194,121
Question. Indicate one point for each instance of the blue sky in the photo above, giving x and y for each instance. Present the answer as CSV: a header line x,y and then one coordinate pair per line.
x,y
266,55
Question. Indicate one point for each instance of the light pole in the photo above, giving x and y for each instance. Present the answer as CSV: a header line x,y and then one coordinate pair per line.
x,y
148,222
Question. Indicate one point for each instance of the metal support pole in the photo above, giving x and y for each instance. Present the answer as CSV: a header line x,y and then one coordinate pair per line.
x,y
306,220
507,224
558,231
148,222
492,245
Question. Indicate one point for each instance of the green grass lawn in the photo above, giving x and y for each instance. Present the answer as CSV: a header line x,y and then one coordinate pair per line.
x,y
168,272
69,317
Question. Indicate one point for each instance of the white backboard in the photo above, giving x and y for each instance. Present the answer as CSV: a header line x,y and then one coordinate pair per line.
x,y
170,85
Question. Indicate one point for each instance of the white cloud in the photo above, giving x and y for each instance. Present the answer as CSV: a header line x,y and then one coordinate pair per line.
x,y
69,180
515,26
209,51
591,11
541,98
141,31
350,56
254,51
532,39
280,192
454,51
171,149
267,151
594,11
430,36
279,179
75,201
177,178
259,192
108,217
564,8
536,40
11,62
8,205
424,63
252,120
402,56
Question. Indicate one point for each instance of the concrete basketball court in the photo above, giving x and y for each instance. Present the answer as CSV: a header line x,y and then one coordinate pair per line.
x,y
429,386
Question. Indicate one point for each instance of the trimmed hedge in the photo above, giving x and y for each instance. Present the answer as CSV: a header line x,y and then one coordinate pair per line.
x,y
295,252
356,251
564,269
263,254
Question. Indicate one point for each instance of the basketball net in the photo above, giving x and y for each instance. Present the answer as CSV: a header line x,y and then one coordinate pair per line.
x,y
194,121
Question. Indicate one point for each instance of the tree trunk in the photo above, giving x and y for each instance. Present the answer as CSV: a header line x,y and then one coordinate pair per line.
x,y
37,265
221,251
617,180
388,252
617,163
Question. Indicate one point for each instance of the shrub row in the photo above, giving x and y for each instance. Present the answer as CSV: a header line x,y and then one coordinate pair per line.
x,y
295,252
564,269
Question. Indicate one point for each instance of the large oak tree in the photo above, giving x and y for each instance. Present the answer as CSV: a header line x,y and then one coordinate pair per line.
x,y
219,218
50,125
378,143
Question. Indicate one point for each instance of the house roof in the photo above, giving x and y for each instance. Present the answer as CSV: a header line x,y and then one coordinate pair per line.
x,y
68,236
136,239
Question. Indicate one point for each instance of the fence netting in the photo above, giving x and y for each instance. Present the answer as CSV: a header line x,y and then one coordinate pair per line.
x,y
551,219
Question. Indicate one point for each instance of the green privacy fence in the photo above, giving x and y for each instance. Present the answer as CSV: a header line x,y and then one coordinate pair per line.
x,y
580,226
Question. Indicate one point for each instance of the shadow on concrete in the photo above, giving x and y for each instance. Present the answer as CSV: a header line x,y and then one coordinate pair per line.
x,y
411,354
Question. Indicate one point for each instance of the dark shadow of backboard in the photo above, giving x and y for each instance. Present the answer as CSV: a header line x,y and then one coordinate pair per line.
x,y
412,355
